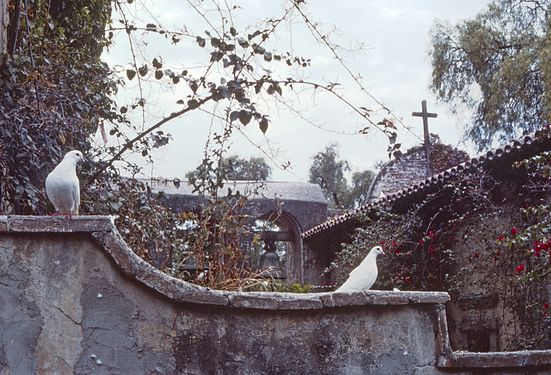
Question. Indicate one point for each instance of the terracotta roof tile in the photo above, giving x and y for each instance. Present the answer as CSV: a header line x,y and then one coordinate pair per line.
x,y
518,149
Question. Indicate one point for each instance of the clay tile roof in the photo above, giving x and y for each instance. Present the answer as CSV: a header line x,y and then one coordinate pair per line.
x,y
518,149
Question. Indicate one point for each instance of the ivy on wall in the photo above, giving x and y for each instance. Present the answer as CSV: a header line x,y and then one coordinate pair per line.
x,y
488,234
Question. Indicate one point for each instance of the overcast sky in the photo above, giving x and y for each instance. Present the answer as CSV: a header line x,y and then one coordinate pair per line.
x,y
395,68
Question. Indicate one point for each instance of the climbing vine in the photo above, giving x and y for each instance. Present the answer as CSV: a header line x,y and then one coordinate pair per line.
x,y
57,95
479,235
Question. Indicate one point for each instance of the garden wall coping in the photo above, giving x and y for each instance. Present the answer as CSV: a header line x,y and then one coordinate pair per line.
x,y
103,231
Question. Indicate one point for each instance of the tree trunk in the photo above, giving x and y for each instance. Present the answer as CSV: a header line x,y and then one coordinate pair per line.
x,y
3,29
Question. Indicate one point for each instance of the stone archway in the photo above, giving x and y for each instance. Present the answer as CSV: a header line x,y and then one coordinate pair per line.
x,y
280,233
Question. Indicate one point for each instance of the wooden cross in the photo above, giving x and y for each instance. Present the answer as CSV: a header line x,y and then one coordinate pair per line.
x,y
425,115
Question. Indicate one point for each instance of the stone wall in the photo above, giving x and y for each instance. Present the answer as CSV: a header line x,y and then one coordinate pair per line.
x,y
74,299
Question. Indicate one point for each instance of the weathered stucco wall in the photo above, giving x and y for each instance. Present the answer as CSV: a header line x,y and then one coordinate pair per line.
x,y
75,300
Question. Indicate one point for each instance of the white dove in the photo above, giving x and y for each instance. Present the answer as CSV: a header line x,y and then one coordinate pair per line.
x,y
363,277
62,185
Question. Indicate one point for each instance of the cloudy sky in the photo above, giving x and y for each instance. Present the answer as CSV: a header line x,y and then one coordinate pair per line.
x,y
394,65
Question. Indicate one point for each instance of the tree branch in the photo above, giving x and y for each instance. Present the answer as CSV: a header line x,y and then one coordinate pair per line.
x,y
140,136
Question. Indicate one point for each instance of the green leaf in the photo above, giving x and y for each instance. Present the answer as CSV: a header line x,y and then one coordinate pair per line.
x,y
157,64
215,42
200,41
243,42
263,125
245,117
258,86
142,70
234,115
130,73
216,56
259,50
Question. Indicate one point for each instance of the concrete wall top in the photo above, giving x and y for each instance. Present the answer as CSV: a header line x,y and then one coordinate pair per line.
x,y
103,230
73,301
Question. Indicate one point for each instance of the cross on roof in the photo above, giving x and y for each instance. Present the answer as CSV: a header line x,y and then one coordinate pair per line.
x,y
425,115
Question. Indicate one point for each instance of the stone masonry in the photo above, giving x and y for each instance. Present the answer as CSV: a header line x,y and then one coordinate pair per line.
x,y
74,299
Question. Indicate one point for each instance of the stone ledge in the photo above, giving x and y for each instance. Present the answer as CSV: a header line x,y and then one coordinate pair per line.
x,y
275,301
56,224
103,231
382,297
518,359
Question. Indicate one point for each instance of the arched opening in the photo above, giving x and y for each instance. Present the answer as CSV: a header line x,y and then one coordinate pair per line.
x,y
277,246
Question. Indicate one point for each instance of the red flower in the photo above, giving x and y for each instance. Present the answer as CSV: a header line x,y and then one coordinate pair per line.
x,y
501,238
394,243
432,249
407,280
519,268
397,252
514,231
382,243
538,247
422,241
546,306
525,205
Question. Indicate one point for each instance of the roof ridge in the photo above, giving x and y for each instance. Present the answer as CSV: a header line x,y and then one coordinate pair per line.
x,y
498,153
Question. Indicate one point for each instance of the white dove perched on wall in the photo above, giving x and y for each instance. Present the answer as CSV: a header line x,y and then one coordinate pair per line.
x,y
62,185
363,277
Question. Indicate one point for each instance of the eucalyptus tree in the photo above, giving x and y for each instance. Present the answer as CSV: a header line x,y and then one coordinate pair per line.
x,y
329,172
497,65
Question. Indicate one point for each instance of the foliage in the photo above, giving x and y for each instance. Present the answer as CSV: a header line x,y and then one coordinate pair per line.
x,y
357,192
56,94
214,234
236,169
472,236
329,173
411,261
444,156
151,229
278,286
497,65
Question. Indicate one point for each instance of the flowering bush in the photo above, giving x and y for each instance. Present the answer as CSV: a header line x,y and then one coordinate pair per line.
x,y
475,240
413,260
